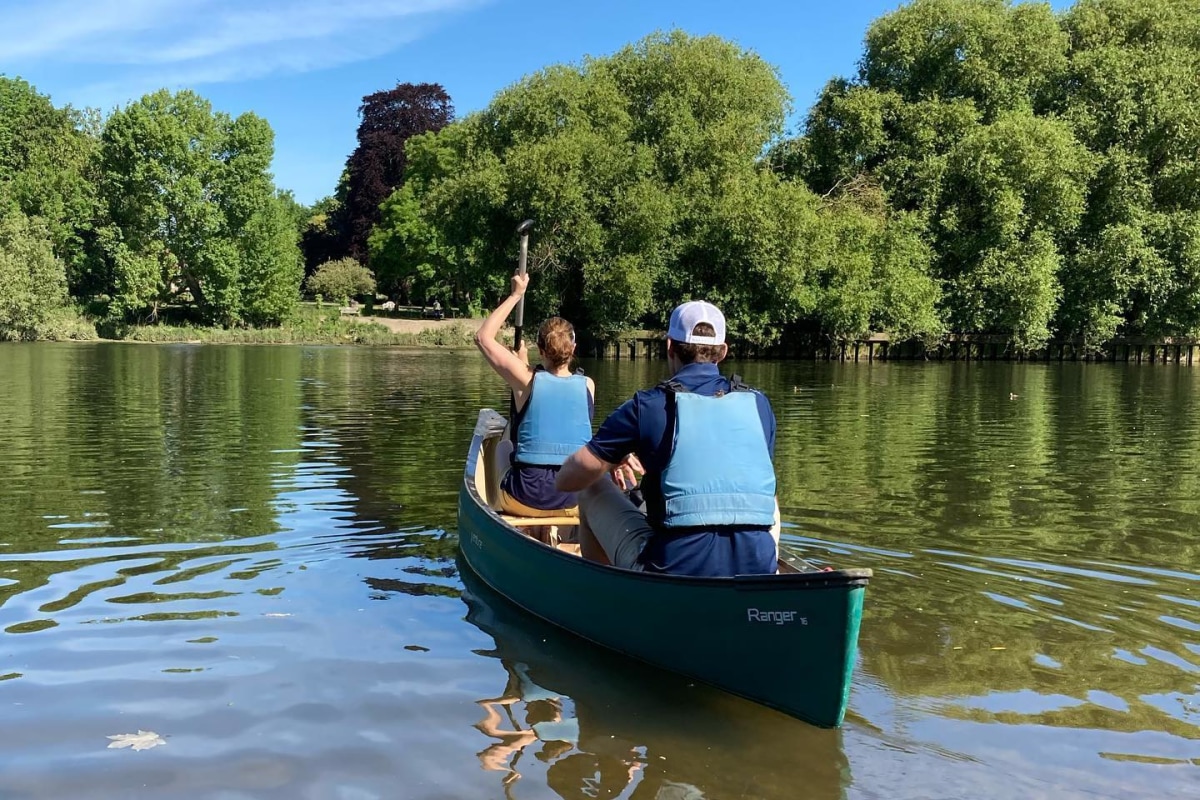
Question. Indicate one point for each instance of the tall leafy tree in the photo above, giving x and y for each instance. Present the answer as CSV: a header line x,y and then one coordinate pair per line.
x,y
192,215
1132,97
33,281
1012,197
321,238
992,53
376,167
46,171
407,253
1052,157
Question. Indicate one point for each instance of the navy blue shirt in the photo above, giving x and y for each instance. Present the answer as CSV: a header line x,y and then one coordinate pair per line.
x,y
645,425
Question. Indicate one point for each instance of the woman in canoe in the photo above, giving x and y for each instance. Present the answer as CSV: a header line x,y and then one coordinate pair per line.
x,y
551,415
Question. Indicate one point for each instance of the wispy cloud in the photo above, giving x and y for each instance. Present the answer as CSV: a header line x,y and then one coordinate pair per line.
x,y
139,44
34,30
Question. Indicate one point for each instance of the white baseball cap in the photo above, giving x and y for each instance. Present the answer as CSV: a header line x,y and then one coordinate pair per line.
x,y
686,317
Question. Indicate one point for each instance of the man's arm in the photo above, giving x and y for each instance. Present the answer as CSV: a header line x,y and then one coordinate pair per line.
x,y
616,439
580,470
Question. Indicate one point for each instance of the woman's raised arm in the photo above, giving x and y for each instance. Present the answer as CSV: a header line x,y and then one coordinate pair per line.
x,y
508,365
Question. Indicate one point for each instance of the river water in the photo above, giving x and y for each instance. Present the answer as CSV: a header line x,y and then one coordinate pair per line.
x,y
250,551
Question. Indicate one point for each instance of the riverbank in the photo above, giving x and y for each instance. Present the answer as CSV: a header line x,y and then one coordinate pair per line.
x,y
328,325
314,328
310,325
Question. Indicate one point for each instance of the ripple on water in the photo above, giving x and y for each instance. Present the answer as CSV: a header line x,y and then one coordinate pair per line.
x,y
271,585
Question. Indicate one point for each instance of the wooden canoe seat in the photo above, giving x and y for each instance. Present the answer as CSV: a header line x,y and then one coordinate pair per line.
x,y
548,530
524,522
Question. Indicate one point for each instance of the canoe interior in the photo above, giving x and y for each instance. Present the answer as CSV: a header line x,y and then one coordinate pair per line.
x,y
558,532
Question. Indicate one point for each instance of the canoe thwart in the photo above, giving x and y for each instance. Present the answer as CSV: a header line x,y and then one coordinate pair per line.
x,y
522,522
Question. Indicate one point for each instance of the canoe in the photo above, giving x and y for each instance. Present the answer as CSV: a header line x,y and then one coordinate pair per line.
x,y
787,641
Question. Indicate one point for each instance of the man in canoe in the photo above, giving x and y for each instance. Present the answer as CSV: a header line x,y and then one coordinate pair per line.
x,y
551,411
706,443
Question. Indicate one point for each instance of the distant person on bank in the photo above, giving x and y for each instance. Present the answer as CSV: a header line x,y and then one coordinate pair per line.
x,y
551,413
706,446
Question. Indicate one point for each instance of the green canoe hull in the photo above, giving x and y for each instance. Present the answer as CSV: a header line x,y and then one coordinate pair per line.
x,y
788,641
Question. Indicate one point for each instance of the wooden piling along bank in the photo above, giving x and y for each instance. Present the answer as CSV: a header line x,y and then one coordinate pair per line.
x,y
951,348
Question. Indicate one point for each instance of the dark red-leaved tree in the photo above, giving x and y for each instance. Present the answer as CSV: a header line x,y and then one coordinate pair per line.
x,y
376,167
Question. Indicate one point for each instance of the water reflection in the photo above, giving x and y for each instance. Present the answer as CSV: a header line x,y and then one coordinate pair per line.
x,y
1028,525
251,551
602,724
543,722
1010,639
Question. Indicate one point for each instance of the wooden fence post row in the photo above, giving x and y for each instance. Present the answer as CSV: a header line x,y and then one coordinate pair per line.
x,y
954,348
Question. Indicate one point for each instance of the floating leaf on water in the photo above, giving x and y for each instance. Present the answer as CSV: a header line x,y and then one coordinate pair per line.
x,y
417,648
142,740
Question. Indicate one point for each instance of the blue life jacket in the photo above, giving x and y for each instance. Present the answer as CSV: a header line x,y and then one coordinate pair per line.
x,y
720,472
555,421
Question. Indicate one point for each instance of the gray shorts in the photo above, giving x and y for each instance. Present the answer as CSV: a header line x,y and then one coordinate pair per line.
x,y
609,520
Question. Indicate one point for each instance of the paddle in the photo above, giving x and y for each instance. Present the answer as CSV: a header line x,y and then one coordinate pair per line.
x,y
519,323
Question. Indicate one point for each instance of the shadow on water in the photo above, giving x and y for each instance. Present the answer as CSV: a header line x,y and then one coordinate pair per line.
x,y
602,723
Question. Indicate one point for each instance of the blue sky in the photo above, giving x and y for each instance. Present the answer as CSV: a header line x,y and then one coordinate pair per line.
x,y
304,65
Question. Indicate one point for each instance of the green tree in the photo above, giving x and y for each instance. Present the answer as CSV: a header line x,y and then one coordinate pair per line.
x,y
297,213
322,236
192,215
33,281
1132,97
772,253
406,252
47,171
341,279
644,173
1052,158
270,260
942,87
996,55
1012,195
608,156
875,274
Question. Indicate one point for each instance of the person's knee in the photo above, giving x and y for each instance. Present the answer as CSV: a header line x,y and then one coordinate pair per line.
x,y
592,495
592,492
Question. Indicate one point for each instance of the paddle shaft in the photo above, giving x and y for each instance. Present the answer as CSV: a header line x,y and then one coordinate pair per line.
x,y
519,321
